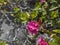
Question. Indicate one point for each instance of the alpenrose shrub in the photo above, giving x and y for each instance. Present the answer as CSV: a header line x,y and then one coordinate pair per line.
x,y
41,41
33,26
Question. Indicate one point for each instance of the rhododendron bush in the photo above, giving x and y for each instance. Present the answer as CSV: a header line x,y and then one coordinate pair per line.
x,y
29,22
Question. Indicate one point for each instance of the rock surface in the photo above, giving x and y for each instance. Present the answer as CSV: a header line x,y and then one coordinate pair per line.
x,y
10,32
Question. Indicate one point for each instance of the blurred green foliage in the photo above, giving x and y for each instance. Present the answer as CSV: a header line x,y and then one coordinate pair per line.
x,y
1,1
3,43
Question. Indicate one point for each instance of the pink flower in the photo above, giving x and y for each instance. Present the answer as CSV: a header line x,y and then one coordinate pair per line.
x,y
32,27
42,1
41,41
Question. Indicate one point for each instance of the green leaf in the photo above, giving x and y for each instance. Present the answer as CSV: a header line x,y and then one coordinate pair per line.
x,y
56,30
23,16
16,9
46,5
43,11
53,43
38,5
58,22
34,14
54,14
53,1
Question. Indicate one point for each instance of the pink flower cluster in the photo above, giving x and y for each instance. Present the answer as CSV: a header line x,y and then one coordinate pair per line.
x,y
41,41
32,27
42,1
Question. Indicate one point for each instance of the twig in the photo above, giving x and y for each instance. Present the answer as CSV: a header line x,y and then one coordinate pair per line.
x,y
5,15
53,8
